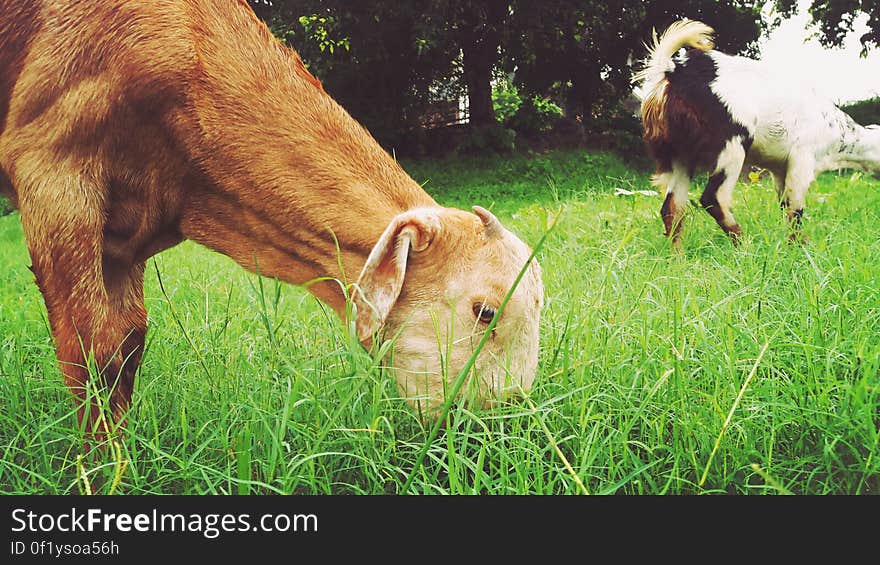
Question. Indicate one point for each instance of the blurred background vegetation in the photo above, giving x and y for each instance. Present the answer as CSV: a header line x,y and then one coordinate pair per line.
x,y
459,77
430,77
865,111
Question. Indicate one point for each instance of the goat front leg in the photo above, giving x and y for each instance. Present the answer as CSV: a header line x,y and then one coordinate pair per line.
x,y
125,290
718,195
95,306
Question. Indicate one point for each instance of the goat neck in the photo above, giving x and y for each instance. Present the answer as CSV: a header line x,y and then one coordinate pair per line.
x,y
293,187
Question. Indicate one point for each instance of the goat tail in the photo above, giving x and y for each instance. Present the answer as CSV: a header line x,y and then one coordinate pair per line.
x,y
652,76
683,33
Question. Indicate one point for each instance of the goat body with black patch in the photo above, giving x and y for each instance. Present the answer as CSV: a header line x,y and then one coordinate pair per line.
x,y
703,110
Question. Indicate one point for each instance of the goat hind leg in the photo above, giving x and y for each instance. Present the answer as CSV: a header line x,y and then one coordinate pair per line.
x,y
779,182
717,197
677,185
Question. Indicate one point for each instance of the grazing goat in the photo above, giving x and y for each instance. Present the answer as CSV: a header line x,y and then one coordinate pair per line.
x,y
127,126
704,110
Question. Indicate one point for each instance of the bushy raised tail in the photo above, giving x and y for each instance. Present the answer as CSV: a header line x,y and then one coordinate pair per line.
x,y
683,33
652,76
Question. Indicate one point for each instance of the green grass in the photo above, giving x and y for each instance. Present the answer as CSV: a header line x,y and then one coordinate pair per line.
x,y
751,370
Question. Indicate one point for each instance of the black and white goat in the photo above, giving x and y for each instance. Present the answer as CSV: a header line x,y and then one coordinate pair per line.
x,y
703,110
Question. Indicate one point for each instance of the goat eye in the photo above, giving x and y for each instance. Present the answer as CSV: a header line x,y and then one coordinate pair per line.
x,y
484,313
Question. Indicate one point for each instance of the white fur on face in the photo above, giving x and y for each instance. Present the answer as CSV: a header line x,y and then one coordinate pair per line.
x,y
438,330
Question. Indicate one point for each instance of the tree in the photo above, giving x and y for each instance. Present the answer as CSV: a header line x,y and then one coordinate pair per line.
x,y
387,61
835,20
477,28
370,56
395,56
584,52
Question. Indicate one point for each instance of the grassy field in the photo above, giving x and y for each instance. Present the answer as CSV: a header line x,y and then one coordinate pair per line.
x,y
751,370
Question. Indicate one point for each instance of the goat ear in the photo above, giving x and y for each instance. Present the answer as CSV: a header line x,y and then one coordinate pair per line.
x,y
381,279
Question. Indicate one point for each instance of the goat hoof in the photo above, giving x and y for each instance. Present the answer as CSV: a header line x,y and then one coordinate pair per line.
x,y
798,238
735,234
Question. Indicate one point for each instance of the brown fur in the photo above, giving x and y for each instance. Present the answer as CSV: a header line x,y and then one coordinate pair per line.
x,y
654,115
652,75
671,123
128,126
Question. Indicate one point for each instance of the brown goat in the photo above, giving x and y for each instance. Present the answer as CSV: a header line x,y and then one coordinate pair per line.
x,y
127,126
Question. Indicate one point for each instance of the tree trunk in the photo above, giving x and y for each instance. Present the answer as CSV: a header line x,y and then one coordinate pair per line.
x,y
478,76
480,48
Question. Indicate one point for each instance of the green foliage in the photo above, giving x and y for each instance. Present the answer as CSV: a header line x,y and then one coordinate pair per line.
x,y
535,115
568,50
380,61
506,100
532,116
5,206
320,30
835,19
513,182
864,112
388,62
487,139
